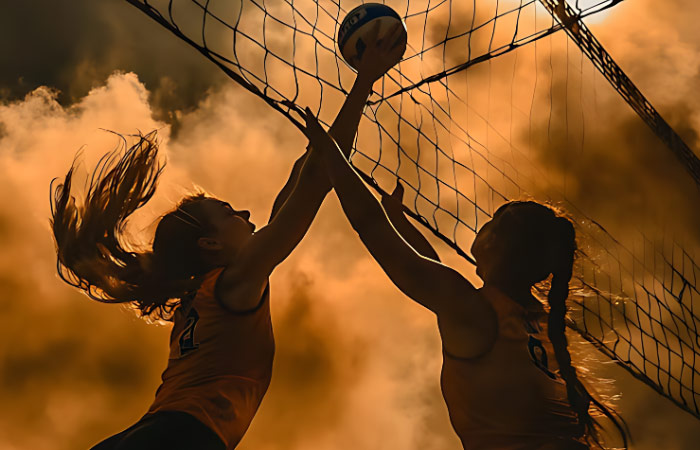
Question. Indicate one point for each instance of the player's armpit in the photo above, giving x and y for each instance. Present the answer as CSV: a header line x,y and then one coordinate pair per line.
x,y
238,292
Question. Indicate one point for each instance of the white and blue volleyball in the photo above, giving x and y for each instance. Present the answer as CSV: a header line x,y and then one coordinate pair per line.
x,y
358,24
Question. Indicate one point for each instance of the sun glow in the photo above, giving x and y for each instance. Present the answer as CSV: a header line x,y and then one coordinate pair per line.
x,y
590,6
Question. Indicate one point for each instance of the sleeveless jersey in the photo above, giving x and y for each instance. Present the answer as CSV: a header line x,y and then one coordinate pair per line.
x,y
511,398
220,363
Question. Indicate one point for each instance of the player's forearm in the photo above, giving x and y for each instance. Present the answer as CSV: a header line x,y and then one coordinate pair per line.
x,y
343,131
347,121
410,233
311,187
313,177
274,242
289,185
361,207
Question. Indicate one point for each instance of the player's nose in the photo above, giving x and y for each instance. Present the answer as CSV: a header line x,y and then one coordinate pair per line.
x,y
245,214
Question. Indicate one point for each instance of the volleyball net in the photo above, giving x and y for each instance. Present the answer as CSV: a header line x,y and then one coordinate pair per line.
x,y
464,121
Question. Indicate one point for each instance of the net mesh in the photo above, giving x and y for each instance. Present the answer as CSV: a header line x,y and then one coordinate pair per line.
x,y
463,142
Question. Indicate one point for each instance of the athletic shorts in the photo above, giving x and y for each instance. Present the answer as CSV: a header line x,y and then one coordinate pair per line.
x,y
164,430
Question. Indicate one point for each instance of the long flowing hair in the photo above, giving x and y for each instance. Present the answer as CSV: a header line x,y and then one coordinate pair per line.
x,y
93,253
548,241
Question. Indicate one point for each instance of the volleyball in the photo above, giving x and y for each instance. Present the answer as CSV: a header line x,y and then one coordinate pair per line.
x,y
358,24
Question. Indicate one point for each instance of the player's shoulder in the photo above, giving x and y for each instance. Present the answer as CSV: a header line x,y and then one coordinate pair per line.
x,y
471,328
239,294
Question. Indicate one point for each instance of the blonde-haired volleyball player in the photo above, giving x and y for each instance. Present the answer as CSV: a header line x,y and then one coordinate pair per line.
x,y
507,376
207,273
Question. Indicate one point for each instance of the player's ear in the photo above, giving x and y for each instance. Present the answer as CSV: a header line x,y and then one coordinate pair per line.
x,y
209,243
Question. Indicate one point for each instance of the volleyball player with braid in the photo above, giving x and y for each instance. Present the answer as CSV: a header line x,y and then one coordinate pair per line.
x,y
507,376
207,273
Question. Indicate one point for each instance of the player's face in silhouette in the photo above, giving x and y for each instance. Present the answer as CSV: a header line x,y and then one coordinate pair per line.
x,y
483,250
494,260
487,247
232,228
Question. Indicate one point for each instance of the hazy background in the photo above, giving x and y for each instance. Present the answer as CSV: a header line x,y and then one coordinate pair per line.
x,y
357,364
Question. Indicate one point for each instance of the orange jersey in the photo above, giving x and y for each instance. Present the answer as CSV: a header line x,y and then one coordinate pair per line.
x,y
511,398
220,363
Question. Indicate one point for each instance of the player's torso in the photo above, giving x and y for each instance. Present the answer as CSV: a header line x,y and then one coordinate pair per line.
x,y
207,340
513,390
220,363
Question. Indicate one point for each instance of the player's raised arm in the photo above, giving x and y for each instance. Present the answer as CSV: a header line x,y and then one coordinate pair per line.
x,y
274,242
464,317
379,57
424,280
381,54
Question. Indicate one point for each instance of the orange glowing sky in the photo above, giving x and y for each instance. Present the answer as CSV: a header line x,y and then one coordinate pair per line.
x,y
357,364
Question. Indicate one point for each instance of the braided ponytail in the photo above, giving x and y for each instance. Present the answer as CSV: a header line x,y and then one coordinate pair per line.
x,y
563,250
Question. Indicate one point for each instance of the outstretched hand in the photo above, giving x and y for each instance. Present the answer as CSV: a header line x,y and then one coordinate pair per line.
x,y
394,201
382,52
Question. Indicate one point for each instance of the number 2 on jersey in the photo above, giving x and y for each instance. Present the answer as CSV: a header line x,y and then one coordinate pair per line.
x,y
187,339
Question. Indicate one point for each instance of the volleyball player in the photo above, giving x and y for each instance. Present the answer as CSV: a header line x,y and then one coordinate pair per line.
x,y
507,375
207,272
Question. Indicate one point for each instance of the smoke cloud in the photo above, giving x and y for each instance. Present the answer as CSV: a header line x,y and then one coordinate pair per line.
x,y
73,47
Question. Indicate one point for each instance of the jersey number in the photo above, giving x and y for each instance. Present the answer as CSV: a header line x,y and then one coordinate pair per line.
x,y
187,342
